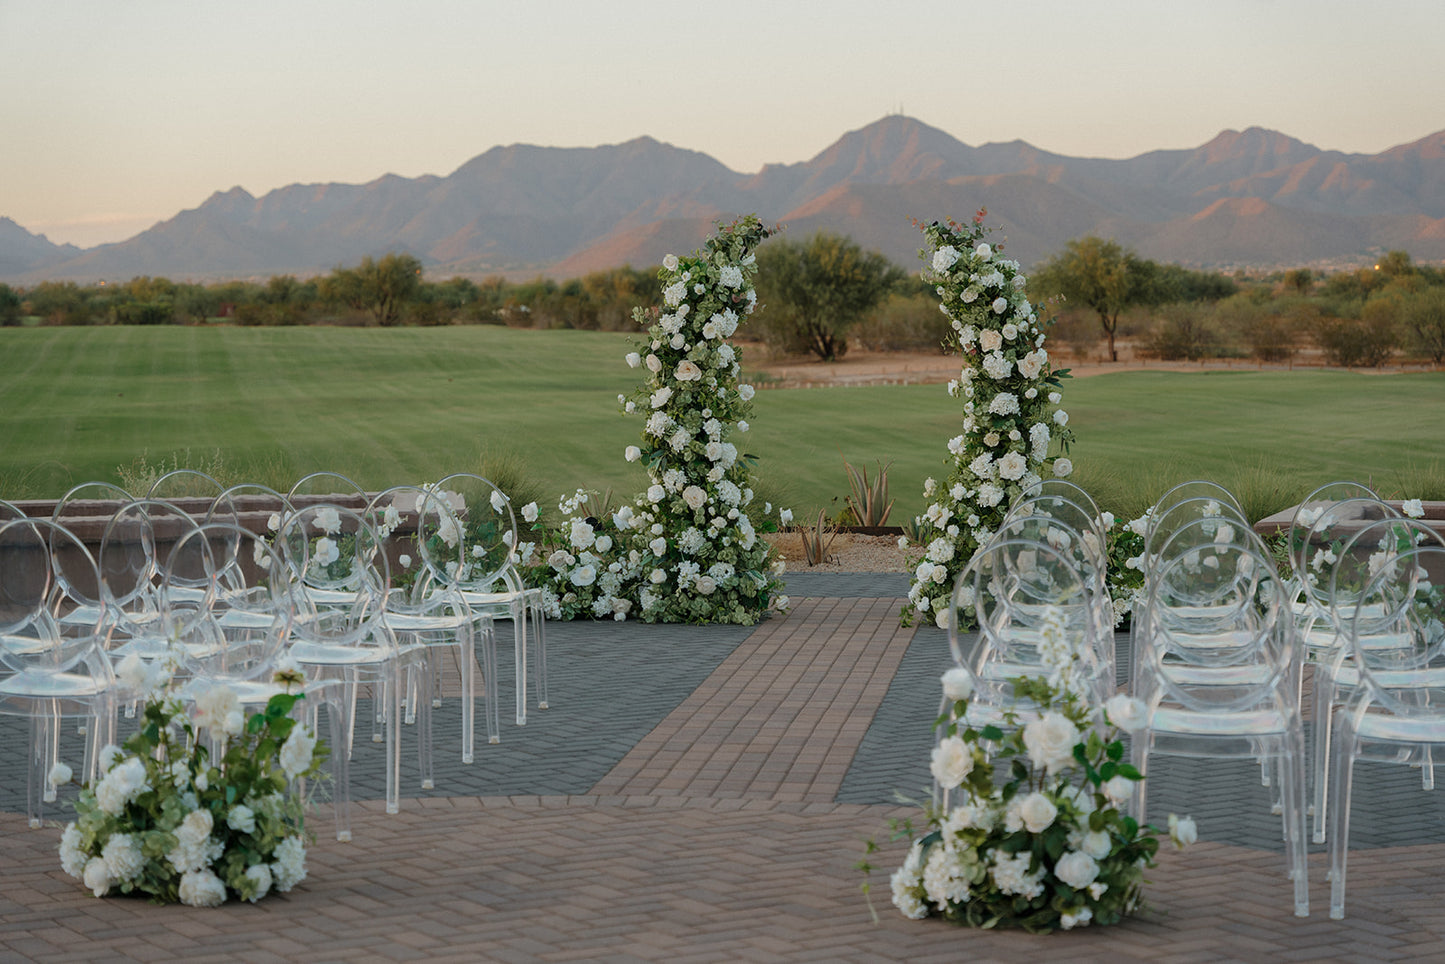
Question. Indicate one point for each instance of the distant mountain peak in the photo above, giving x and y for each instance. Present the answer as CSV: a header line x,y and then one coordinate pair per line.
x,y
1252,196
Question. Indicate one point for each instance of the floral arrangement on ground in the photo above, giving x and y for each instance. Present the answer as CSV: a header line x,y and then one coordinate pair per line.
x,y
1010,395
1030,831
688,548
167,820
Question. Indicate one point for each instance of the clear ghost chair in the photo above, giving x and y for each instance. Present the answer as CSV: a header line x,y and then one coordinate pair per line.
x,y
190,489
1169,520
1066,527
1196,489
49,674
133,549
1323,605
1069,490
246,603
489,579
426,606
84,510
330,488
256,508
1227,688
1397,712
1035,620
332,549
1027,597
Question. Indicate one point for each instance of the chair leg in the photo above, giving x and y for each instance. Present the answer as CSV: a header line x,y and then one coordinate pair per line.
x,y
489,681
1292,773
539,648
1323,710
519,647
339,724
1344,740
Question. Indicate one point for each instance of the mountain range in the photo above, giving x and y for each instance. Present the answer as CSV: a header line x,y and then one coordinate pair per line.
x,y
1253,198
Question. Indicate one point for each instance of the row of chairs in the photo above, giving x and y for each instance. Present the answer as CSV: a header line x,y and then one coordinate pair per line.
x,y
1221,636
223,581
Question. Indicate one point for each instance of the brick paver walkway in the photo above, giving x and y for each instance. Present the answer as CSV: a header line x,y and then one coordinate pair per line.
x,y
712,833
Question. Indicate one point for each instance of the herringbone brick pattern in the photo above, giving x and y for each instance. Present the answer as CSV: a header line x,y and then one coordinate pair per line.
x,y
712,833
782,717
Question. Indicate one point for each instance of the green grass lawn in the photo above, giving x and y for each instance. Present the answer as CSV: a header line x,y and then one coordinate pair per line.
x,y
403,405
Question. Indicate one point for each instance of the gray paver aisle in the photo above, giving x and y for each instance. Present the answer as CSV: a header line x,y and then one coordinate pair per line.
x,y
782,716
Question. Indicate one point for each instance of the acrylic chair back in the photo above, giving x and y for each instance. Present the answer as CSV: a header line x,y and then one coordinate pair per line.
x,y
485,547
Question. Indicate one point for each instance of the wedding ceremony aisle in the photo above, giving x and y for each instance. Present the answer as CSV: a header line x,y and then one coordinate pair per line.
x,y
702,793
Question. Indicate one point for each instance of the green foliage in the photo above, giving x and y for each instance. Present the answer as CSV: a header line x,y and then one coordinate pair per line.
x,y
141,472
381,287
813,293
1366,342
1100,275
1183,333
817,540
9,305
903,322
1423,318
868,501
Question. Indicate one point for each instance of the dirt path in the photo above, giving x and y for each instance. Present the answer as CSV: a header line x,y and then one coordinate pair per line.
x,y
922,368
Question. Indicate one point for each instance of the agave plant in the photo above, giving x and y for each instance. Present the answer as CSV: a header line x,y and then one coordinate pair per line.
x,y
869,500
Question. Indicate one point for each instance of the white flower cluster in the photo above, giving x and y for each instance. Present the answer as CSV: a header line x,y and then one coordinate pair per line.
x,y
1009,395
687,549
1080,860
162,786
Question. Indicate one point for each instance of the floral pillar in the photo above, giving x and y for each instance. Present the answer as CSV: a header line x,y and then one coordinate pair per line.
x,y
1010,396
701,558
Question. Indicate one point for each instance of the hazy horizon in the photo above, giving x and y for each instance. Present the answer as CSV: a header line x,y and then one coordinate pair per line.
x,y
124,115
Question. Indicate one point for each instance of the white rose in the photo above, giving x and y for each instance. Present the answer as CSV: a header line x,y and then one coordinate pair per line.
x,y
1182,831
746,392
1118,789
1097,844
1063,467
583,576
529,512
688,371
633,453
958,683
670,262
1076,869
1037,812
705,585
1050,741
990,340
983,252
633,359
694,496
242,819
951,763
658,546
1126,712
654,364
656,493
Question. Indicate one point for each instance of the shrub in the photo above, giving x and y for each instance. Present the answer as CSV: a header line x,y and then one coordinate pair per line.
x,y
1183,332
905,322
1366,342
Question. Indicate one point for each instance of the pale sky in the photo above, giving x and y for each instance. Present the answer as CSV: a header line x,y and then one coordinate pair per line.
x,y
115,114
